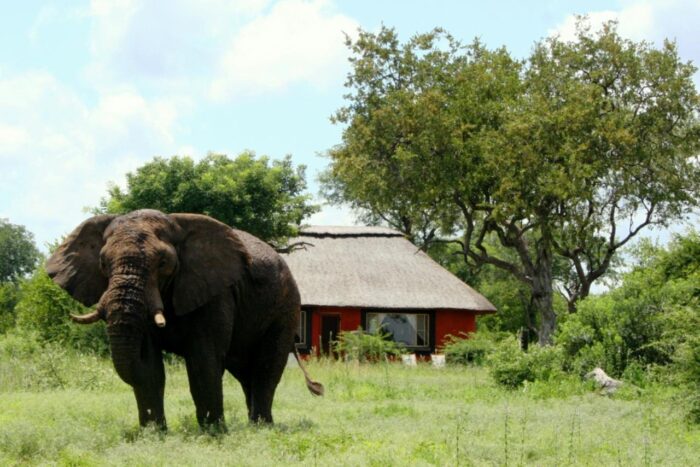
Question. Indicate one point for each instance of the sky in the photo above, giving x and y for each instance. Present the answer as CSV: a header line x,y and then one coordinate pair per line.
x,y
90,90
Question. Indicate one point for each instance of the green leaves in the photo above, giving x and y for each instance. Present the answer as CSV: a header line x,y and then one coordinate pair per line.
x,y
263,197
18,253
562,158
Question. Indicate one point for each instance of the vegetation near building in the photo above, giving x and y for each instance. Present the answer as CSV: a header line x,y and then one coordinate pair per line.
x,y
561,159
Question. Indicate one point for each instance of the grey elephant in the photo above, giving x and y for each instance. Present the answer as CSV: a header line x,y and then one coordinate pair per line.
x,y
187,284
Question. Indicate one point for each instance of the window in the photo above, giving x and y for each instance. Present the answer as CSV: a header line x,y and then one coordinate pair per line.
x,y
300,338
410,329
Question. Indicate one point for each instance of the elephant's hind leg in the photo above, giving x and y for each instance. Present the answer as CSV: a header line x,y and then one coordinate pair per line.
x,y
266,372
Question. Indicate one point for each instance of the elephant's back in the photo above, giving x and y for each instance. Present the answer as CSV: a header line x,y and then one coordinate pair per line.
x,y
266,265
273,287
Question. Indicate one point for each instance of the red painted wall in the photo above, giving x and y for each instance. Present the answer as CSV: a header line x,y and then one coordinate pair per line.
x,y
447,322
452,322
350,319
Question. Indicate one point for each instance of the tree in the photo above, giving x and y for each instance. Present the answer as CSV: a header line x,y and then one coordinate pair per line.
x,y
248,192
18,253
562,158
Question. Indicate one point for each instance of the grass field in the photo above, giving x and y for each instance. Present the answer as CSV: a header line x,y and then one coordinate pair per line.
x,y
61,409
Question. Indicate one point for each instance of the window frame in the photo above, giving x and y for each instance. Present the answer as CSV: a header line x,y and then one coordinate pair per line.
x,y
430,331
302,342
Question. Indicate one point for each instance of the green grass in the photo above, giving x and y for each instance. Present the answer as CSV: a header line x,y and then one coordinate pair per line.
x,y
63,409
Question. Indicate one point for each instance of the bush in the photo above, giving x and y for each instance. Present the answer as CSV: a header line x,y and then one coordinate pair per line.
x,y
28,363
510,366
687,365
44,308
365,347
9,296
644,321
472,348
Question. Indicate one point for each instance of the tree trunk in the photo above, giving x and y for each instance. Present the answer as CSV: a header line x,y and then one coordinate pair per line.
x,y
543,293
548,317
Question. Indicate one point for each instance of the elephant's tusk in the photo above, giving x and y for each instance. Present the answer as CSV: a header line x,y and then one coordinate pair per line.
x,y
87,318
159,319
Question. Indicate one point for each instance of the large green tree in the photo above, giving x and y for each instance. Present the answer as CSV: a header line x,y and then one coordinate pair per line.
x,y
18,257
562,158
266,198
18,253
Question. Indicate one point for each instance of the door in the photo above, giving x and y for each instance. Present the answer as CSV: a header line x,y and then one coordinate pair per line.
x,y
330,327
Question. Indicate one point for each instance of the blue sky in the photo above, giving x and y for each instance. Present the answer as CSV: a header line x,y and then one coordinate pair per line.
x,y
91,90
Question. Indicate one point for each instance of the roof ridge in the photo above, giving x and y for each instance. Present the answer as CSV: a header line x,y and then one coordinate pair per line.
x,y
349,231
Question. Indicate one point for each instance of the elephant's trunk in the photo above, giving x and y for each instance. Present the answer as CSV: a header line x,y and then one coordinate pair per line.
x,y
126,356
126,323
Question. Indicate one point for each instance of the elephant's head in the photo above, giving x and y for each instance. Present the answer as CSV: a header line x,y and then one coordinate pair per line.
x,y
130,265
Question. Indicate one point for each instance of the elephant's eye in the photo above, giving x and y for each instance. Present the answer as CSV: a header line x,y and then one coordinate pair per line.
x,y
103,264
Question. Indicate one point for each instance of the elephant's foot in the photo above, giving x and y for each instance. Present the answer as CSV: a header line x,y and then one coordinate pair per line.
x,y
213,427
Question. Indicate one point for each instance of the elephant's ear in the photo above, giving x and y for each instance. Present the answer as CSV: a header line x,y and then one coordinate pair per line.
x,y
211,258
75,265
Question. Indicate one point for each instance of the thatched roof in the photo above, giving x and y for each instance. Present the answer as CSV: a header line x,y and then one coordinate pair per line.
x,y
375,267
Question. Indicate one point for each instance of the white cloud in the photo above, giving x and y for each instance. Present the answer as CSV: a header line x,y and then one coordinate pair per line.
x,y
11,138
297,41
650,20
151,64
59,153
169,41
635,22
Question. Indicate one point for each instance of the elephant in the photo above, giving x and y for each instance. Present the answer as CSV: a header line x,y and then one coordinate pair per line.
x,y
190,285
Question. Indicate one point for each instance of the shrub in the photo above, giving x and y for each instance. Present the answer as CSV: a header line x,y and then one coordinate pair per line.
x,y
687,364
44,308
363,346
645,320
472,348
510,366
9,296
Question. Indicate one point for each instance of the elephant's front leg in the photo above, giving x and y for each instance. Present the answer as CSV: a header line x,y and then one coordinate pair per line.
x,y
149,396
206,388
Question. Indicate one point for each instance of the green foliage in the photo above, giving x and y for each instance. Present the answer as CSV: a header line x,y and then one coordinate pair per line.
x,y
452,416
44,309
263,197
472,348
547,157
510,366
646,320
9,296
29,363
18,253
367,347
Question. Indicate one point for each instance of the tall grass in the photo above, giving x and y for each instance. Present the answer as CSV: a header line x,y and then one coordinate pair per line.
x,y
61,408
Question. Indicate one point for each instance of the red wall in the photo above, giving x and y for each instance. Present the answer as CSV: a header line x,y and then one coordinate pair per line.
x,y
452,322
350,320
446,322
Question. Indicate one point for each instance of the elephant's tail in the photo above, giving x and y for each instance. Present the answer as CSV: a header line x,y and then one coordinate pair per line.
x,y
314,387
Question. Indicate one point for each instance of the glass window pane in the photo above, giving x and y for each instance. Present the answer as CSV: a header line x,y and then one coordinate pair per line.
x,y
410,329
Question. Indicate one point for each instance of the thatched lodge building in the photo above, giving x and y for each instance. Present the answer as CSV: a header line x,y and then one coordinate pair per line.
x,y
372,276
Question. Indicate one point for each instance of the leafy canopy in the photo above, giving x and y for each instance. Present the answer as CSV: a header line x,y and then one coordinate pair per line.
x,y
561,158
18,253
263,197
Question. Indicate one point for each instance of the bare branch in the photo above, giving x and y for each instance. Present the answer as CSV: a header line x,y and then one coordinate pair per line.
x,y
291,247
